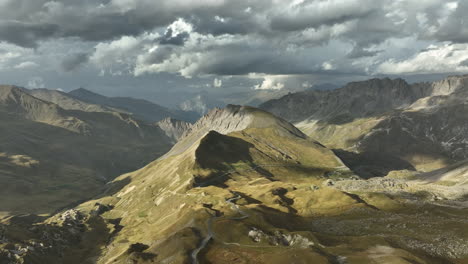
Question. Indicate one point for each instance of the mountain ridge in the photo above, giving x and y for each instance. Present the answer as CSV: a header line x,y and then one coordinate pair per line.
x,y
402,127
65,101
174,128
230,119
356,99
57,154
142,109
212,167
243,184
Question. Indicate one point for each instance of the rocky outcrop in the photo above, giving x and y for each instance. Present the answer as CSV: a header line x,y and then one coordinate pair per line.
x,y
230,119
368,98
449,85
236,118
388,117
443,132
378,184
279,238
433,125
173,128
54,241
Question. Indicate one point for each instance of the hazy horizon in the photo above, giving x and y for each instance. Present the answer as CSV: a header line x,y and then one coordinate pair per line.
x,y
145,49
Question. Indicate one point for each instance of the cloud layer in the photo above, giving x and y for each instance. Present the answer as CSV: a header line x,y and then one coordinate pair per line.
x,y
275,39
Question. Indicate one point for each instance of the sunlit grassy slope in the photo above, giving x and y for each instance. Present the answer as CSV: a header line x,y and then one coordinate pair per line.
x,y
257,191
281,180
170,193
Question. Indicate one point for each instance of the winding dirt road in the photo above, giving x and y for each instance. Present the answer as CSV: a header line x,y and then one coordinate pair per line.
x,y
209,226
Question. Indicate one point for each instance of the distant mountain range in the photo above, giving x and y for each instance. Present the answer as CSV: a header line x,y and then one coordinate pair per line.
x,y
141,109
67,101
423,124
240,182
373,172
203,102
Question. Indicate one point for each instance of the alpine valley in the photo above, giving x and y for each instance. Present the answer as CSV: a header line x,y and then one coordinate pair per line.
x,y
373,172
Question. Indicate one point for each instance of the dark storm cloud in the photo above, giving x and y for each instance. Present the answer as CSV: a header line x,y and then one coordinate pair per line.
x,y
170,39
25,34
464,63
101,28
24,22
243,59
360,53
37,20
455,27
192,38
73,61
318,13
89,21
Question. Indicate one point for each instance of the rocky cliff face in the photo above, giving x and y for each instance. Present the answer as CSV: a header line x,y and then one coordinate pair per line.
x,y
173,128
235,118
368,98
449,85
258,194
435,125
230,119
422,123
355,100
176,202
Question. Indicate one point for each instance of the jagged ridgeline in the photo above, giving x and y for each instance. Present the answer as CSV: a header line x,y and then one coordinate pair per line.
x,y
391,124
236,151
139,108
174,128
51,156
244,186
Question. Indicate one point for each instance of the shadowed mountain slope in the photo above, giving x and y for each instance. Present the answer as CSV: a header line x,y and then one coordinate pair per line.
x,y
67,102
257,190
230,119
248,151
51,157
253,189
225,152
141,109
355,100
387,117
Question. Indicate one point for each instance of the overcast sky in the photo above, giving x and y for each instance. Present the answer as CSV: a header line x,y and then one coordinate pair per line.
x,y
138,47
